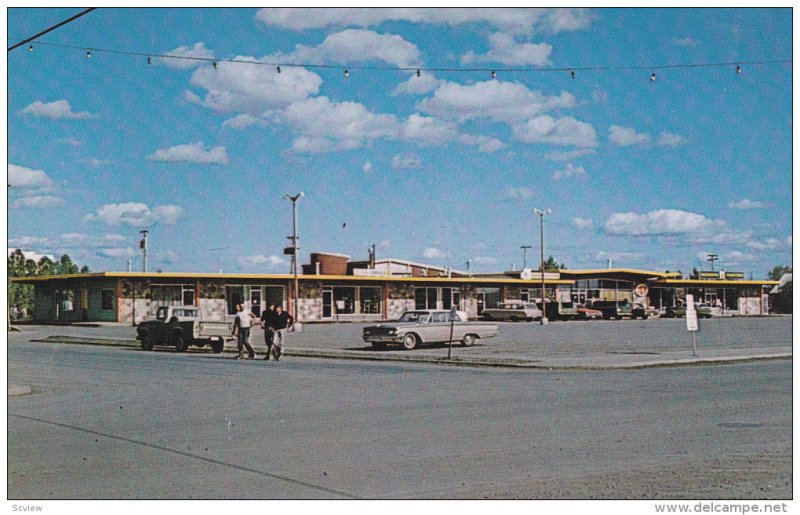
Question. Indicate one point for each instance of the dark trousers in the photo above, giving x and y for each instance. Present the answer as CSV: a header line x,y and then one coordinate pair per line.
x,y
269,338
244,341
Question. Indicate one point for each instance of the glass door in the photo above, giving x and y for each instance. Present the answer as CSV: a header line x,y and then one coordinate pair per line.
x,y
255,300
327,303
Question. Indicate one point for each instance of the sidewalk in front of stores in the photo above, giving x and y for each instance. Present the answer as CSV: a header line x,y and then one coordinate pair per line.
x,y
483,355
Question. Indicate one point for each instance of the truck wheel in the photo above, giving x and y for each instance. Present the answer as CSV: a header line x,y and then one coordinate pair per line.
x,y
410,341
147,343
469,340
379,345
217,345
180,343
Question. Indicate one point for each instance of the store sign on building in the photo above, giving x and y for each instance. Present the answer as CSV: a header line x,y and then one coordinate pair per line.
x,y
709,275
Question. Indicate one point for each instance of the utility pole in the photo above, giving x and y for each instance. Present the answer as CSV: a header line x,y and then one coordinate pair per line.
x,y
712,258
525,255
293,237
143,246
541,214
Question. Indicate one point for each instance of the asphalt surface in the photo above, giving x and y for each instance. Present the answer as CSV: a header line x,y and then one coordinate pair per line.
x,y
118,423
585,344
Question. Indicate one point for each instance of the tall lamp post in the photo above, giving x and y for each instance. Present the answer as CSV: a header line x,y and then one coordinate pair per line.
x,y
541,214
293,237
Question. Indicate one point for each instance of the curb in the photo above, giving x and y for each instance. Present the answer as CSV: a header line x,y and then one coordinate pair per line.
x,y
457,361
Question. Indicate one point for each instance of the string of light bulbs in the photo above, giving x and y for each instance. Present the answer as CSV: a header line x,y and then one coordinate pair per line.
x,y
418,70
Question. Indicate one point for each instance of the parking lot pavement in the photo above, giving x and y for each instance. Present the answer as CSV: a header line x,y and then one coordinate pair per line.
x,y
564,344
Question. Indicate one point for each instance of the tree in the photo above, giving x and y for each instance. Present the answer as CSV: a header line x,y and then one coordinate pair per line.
x,y
776,273
20,296
553,265
695,274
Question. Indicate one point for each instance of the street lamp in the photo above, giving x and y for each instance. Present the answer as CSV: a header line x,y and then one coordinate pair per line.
x,y
541,214
293,237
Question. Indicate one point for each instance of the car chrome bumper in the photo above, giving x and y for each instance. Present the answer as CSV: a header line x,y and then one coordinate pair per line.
x,y
382,338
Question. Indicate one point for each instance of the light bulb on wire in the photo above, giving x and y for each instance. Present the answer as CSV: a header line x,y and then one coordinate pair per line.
x,y
346,73
738,69
494,75
88,54
653,77
278,68
215,65
30,48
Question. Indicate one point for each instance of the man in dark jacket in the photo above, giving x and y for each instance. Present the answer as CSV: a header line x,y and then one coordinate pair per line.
x,y
268,322
283,322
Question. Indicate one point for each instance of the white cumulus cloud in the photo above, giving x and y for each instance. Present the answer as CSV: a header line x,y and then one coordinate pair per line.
x,y
195,53
661,221
191,153
38,202
562,131
500,101
28,178
569,155
582,223
514,20
55,110
570,171
505,49
433,253
626,136
746,203
405,161
243,121
261,259
367,167
135,214
521,193
252,89
355,45
666,139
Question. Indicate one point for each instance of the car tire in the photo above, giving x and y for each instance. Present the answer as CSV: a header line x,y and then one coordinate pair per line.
x,y
514,319
180,343
469,340
217,345
487,317
410,341
147,343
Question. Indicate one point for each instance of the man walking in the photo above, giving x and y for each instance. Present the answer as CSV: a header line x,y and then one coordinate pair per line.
x,y
283,322
244,319
268,322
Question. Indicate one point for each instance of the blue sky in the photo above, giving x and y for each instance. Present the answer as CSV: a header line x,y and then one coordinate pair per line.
x,y
439,168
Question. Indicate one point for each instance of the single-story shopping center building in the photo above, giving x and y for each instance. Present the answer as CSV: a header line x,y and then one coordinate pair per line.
x,y
333,288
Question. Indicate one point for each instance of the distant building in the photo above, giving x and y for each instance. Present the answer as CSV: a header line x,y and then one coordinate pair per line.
x,y
333,288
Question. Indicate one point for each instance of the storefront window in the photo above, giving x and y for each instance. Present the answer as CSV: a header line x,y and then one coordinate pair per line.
x,y
425,298
370,300
107,300
344,298
234,295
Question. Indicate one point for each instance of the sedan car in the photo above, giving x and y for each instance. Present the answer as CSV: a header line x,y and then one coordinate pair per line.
x,y
513,311
703,311
585,313
428,326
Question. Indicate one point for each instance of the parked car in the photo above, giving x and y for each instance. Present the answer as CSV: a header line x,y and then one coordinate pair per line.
x,y
427,326
703,311
513,311
182,326
619,309
585,313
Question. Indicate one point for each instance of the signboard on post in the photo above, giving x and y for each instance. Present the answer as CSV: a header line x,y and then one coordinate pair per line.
x,y
691,314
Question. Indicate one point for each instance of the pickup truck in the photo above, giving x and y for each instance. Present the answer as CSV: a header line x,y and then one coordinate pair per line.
x,y
619,309
428,326
182,326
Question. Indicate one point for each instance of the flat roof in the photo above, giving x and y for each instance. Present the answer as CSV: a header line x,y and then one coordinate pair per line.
x,y
620,271
712,282
284,277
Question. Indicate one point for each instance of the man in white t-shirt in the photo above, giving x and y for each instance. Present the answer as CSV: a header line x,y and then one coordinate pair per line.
x,y
242,324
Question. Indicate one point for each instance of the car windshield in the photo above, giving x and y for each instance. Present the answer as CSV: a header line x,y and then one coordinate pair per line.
x,y
531,306
161,314
414,316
